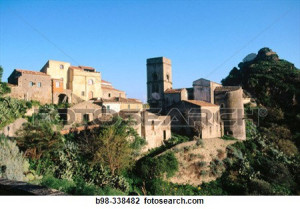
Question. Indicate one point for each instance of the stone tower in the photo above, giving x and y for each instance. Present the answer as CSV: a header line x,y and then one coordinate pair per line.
x,y
159,79
230,99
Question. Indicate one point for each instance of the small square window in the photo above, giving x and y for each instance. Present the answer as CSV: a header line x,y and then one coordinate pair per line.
x,y
61,66
57,84
82,93
31,83
39,84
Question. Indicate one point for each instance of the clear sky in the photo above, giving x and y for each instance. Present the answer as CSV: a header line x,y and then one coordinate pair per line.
x,y
202,38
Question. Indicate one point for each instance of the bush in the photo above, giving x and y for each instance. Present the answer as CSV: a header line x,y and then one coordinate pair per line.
x,y
78,187
12,164
288,147
156,167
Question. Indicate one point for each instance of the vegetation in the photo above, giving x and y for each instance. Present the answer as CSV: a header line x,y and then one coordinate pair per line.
x,y
12,163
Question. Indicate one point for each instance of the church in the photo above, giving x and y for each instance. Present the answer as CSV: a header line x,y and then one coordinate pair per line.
x,y
207,109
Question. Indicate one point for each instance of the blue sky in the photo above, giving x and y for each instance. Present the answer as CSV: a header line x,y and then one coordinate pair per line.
x,y
202,38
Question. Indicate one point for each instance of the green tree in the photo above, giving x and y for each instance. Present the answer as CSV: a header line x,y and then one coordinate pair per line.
x,y
12,163
39,139
114,148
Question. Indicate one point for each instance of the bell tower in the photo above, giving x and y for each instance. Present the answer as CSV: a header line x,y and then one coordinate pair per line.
x,y
159,79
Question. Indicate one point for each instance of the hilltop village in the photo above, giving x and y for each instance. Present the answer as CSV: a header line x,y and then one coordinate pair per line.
x,y
188,111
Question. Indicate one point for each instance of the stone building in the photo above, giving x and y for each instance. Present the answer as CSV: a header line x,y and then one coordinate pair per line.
x,y
196,117
84,82
108,91
30,85
205,97
117,104
152,127
82,112
159,79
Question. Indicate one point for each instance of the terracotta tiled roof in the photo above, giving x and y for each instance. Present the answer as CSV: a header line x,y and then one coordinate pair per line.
x,y
173,91
110,88
31,72
86,67
227,88
121,100
106,82
200,103
74,67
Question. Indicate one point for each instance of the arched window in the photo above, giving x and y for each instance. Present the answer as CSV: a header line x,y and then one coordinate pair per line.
x,y
90,81
168,77
109,95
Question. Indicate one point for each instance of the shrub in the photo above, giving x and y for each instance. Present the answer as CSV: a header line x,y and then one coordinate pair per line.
x,y
221,154
200,142
78,187
149,168
12,164
288,147
260,187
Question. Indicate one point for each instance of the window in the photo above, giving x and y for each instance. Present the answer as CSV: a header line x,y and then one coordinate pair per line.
x,y
152,125
61,66
39,84
82,93
128,106
86,118
154,76
165,135
90,82
168,78
57,84
108,107
108,94
31,83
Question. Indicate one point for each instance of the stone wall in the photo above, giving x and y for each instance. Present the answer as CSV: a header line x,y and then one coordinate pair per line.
x,y
11,129
232,108
108,93
155,129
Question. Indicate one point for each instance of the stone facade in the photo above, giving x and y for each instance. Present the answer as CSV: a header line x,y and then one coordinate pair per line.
x,y
172,96
57,70
85,84
116,104
204,90
108,91
82,112
159,79
30,85
152,127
